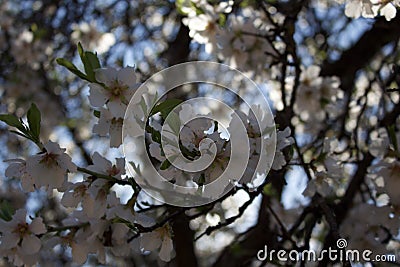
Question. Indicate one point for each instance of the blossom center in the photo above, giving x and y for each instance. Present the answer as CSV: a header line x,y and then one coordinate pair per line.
x,y
102,194
80,190
117,90
49,159
113,171
22,229
117,122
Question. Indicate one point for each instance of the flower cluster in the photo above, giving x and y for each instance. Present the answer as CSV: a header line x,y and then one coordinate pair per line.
x,y
47,169
19,241
240,40
69,196
315,94
113,90
371,8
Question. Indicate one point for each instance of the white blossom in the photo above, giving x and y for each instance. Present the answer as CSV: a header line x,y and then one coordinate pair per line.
x,y
19,240
49,168
119,86
104,166
357,8
283,140
159,238
108,124
75,194
17,169
313,93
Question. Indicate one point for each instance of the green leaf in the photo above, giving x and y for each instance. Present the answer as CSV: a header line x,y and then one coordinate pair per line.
x,y
34,119
202,180
12,121
6,211
184,4
174,122
90,62
165,165
155,135
80,49
96,113
269,190
72,68
165,107
143,104
222,20
93,60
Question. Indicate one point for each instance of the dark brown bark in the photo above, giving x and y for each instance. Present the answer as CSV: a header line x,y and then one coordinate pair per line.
x,y
183,238
178,50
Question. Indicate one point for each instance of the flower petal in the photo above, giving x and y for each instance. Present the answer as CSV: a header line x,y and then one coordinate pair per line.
x,y
166,250
103,126
31,244
106,75
15,169
66,163
54,148
37,226
150,241
98,95
9,240
100,164
116,134
68,200
20,216
117,108
120,163
389,11
127,76
79,253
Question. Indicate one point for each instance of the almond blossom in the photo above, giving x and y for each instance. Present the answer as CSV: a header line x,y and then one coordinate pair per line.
x,y
314,92
17,169
75,194
238,43
49,168
19,240
116,90
357,8
386,8
371,8
159,239
104,166
93,195
328,172
386,175
283,140
204,27
82,241
109,125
